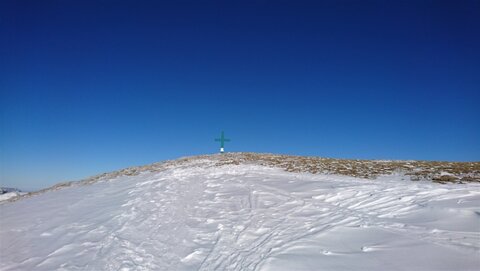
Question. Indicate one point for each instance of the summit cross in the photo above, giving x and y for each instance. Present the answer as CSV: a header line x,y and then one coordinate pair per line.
x,y
222,141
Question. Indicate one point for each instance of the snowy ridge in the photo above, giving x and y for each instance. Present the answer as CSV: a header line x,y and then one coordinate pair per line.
x,y
206,213
9,193
437,171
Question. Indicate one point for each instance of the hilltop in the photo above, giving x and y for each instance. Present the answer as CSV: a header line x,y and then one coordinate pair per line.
x,y
247,211
437,171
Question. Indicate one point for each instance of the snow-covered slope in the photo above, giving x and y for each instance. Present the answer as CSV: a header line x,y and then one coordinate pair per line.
x,y
200,215
9,193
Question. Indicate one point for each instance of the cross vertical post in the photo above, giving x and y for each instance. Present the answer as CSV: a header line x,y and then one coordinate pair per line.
x,y
222,141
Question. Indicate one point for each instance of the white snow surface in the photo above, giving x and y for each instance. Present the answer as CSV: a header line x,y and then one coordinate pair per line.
x,y
9,195
244,217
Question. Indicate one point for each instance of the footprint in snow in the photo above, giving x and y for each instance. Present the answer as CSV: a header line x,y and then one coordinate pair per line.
x,y
326,252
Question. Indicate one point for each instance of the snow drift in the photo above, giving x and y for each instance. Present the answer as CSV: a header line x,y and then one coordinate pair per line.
x,y
198,214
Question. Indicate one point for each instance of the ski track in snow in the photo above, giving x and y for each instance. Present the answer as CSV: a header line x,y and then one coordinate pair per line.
x,y
244,217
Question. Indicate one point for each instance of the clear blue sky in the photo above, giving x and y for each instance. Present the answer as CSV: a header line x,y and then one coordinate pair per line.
x,y
92,86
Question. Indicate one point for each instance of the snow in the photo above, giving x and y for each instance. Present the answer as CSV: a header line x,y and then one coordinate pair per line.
x,y
198,216
9,195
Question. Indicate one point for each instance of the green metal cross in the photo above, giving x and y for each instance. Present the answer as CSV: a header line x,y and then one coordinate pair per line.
x,y
222,141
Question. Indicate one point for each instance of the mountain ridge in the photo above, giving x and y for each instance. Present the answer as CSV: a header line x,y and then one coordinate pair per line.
x,y
230,212
437,171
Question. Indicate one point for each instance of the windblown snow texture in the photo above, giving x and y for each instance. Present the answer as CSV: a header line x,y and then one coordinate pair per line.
x,y
199,216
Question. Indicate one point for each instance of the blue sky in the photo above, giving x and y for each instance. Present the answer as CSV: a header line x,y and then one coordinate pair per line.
x,y
91,86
